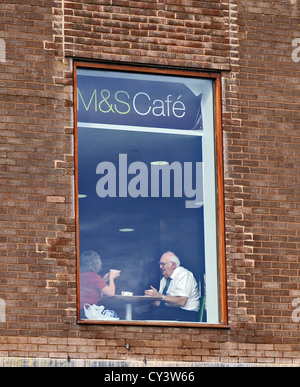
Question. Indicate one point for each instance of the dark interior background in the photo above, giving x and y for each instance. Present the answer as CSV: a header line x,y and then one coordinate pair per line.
x,y
159,224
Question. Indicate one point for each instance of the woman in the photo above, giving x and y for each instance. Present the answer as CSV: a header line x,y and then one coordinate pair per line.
x,y
92,285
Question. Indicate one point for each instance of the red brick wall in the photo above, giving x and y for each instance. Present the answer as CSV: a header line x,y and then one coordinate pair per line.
x,y
251,44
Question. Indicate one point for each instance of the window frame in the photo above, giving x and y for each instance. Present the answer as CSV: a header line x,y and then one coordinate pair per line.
x,y
219,203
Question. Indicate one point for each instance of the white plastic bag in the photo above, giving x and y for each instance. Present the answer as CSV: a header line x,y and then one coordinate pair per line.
x,y
96,312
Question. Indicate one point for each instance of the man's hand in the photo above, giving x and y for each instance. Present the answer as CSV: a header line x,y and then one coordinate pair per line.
x,y
174,300
153,293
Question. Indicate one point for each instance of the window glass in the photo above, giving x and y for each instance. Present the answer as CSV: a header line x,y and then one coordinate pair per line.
x,y
146,187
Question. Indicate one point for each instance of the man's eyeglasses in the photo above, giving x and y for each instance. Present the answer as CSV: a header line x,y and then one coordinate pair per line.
x,y
163,263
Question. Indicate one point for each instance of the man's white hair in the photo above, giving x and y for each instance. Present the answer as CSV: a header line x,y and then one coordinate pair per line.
x,y
175,259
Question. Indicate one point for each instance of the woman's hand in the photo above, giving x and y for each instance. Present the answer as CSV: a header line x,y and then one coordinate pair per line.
x,y
106,277
110,289
113,274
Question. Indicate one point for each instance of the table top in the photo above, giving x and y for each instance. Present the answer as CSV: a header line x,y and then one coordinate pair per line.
x,y
135,299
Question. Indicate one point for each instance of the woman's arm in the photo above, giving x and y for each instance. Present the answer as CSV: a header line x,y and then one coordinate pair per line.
x,y
110,289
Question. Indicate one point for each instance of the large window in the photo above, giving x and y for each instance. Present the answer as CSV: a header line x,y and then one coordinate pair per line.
x,y
149,189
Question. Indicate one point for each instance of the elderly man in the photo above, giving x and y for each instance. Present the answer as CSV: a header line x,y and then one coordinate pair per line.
x,y
178,291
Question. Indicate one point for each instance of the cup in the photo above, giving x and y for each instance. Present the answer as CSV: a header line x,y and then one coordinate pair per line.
x,y
126,293
114,273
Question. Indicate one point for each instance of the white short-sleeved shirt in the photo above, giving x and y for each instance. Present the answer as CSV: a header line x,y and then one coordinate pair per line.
x,y
183,284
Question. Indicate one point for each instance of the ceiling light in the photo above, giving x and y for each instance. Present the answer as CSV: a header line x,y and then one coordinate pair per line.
x,y
159,163
126,229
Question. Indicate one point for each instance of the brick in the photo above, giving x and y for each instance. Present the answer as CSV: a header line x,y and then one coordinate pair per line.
x,y
252,50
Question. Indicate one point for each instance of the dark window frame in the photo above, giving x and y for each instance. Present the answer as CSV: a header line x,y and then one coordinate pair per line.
x,y
216,77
